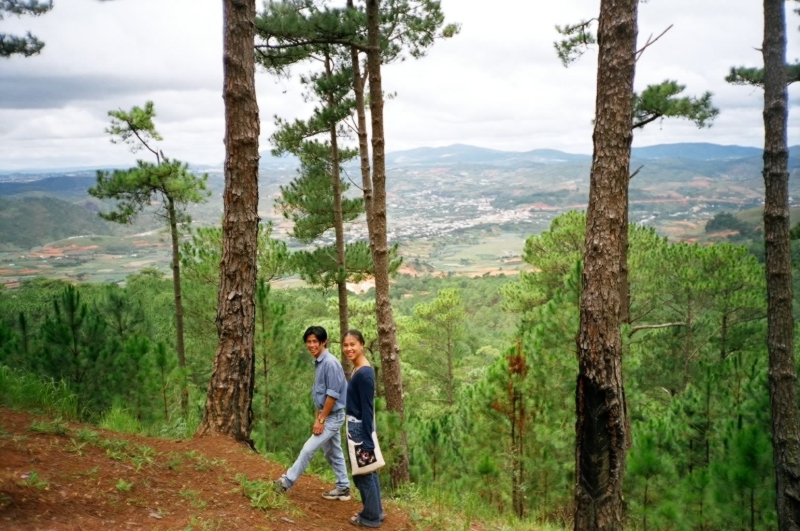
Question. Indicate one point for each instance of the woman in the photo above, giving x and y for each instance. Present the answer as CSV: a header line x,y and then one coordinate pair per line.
x,y
360,425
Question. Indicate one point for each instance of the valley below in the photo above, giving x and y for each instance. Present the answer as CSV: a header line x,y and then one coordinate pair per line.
x,y
458,210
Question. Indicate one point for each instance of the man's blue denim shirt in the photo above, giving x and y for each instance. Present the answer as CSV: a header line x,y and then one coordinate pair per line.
x,y
328,381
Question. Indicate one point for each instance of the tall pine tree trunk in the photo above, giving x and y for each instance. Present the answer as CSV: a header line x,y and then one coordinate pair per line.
x,y
601,435
338,225
176,288
363,143
230,390
780,332
390,352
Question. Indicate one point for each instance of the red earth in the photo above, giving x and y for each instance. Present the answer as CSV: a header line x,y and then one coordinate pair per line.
x,y
61,479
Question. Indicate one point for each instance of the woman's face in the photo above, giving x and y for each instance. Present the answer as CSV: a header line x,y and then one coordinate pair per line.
x,y
352,348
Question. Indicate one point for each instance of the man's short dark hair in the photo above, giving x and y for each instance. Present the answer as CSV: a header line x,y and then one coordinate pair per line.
x,y
316,331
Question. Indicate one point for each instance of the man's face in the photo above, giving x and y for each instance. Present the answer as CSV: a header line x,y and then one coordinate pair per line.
x,y
314,346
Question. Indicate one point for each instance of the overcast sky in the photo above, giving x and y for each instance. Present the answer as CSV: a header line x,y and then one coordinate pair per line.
x,y
498,84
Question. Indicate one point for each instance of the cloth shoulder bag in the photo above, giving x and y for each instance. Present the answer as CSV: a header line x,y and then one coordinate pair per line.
x,y
353,447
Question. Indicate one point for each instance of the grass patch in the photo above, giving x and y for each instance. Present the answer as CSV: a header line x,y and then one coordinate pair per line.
x,y
262,495
54,427
34,481
88,436
193,497
76,447
124,486
202,463
19,390
197,523
440,509
119,420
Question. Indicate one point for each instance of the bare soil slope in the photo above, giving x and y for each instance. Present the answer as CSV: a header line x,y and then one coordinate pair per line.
x,y
57,476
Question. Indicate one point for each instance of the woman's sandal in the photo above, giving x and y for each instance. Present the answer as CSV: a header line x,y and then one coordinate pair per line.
x,y
356,521
356,515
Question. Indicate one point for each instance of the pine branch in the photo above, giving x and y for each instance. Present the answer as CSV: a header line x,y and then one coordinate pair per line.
x,y
651,40
653,327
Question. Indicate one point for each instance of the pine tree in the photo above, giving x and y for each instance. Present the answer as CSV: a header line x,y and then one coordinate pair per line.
x,y
602,434
228,407
656,102
164,367
168,180
29,44
777,242
315,200
74,350
441,326
393,28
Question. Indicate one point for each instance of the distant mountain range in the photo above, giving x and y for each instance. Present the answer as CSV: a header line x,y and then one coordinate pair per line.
x,y
466,154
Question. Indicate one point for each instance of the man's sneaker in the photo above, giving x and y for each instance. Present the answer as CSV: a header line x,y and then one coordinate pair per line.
x,y
280,486
337,494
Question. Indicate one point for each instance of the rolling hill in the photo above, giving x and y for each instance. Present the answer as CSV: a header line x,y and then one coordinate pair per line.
x,y
31,221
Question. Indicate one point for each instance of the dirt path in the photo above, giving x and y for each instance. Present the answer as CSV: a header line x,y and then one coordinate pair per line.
x,y
79,478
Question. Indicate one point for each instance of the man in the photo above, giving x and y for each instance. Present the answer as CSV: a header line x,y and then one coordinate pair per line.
x,y
329,393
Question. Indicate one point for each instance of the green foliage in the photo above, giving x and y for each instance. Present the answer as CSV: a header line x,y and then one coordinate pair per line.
x,y
193,497
262,494
21,390
34,481
123,486
27,222
694,365
578,38
439,328
552,255
55,427
120,420
319,268
291,32
135,188
656,101
135,127
29,44
725,221
662,101
748,76
200,258
308,200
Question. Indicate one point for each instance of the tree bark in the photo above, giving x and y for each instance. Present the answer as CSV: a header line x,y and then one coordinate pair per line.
x,y
624,282
338,225
176,287
390,352
601,434
230,391
363,144
780,331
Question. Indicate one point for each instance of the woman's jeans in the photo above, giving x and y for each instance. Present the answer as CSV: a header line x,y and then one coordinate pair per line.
x,y
368,484
330,441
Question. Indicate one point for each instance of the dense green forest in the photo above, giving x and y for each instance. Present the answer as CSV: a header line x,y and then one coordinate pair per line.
x,y
631,373
489,367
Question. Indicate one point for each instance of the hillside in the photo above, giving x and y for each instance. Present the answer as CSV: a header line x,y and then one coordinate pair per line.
x,y
59,184
31,221
458,209
60,477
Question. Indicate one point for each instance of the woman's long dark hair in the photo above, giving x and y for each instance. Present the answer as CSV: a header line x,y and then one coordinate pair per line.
x,y
356,334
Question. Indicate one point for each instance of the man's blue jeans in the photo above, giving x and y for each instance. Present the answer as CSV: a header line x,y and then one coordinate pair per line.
x,y
330,441
368,484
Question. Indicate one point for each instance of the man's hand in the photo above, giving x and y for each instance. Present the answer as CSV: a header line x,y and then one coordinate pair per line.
x,y
318,428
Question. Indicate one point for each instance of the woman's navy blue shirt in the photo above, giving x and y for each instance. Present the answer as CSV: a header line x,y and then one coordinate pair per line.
x,y
361,402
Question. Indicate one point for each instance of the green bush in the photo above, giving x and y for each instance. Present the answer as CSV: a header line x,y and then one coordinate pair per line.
x,y
21,390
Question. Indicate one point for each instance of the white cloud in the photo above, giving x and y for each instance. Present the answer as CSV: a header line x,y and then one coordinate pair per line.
x,y
498,84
